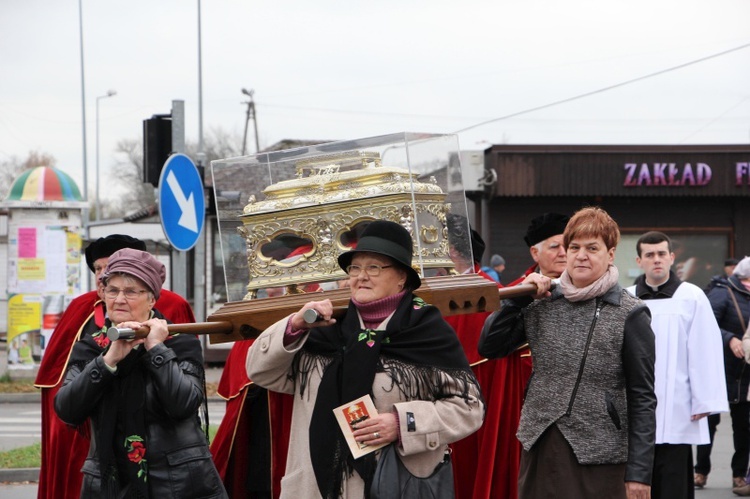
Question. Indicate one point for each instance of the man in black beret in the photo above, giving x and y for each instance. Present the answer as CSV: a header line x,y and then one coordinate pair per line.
x,y
503,407
544,237
493,451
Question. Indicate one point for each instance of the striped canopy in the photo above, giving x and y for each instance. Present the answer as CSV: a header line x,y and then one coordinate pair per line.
x,y
44,183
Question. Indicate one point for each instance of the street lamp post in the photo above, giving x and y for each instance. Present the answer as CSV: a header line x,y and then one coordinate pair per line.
x,y
85,212
110,93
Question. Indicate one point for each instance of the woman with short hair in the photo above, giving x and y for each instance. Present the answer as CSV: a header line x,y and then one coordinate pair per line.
x,y
588,421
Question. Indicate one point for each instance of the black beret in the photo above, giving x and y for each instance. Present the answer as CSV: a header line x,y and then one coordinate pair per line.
x,y
731,261
104,247
545,226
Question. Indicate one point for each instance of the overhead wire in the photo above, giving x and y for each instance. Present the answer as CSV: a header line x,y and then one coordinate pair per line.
x,y
604,89
717,118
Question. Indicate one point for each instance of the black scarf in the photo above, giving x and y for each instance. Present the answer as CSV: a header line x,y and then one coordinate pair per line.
x,y
415,349
124,404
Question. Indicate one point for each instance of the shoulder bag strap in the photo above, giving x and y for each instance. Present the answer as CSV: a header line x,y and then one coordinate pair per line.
x,y
737,307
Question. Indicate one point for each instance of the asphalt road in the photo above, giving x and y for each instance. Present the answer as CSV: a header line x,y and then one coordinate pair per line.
x,y
19,426
20,423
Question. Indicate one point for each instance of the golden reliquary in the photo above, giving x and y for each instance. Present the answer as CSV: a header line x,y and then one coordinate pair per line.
x,y
295,234
285,215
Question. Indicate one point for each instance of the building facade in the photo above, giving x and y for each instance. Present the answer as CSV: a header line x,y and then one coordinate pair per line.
x,y
698,194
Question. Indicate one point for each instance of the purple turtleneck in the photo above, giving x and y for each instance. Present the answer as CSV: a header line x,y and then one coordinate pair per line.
x,y
373,314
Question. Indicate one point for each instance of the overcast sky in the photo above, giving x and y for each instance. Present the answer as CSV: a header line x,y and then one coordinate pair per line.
x,y
334,70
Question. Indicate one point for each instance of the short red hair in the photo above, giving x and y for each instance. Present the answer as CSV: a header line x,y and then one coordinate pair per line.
x,y
592,222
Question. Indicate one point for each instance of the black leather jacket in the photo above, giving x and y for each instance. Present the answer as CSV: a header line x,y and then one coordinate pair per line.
x,y
179,462
736,370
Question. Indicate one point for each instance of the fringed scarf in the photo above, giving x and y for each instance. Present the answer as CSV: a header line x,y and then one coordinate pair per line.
x,y
124,463
419,351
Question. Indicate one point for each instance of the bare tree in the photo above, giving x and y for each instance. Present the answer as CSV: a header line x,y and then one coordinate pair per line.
x,y
126,193
10,169
218,144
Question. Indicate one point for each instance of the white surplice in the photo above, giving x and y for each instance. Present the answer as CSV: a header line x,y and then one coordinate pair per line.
x,y
689,371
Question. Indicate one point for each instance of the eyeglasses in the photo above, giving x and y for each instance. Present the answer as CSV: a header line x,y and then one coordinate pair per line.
x,y
371,270
130,294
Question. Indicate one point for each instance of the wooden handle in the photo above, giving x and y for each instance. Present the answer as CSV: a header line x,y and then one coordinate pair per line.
x,y
244,320
218,327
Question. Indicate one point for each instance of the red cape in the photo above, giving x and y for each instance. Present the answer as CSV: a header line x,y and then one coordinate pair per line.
x,y
253,414
64,449
486,463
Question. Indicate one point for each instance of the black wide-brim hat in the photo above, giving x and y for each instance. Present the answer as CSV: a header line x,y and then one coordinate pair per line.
x,y
390,239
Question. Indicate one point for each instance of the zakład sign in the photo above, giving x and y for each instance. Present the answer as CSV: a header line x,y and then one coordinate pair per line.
x,y
659,174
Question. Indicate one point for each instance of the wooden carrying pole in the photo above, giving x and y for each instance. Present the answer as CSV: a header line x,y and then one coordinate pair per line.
x,y
244,320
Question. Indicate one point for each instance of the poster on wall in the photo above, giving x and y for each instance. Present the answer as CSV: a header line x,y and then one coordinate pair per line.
x,y
43,277
72,263
24,326
39,257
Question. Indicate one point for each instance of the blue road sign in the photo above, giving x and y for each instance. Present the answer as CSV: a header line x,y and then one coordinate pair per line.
x,y
182,206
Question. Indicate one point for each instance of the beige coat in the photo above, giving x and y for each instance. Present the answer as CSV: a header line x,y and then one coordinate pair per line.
x,y
438,423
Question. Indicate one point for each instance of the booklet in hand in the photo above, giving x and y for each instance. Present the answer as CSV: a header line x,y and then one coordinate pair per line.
x,y
348,415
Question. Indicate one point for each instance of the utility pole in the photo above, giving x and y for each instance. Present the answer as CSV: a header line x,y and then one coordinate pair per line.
x,y
199,277
179,258
250,114
85,214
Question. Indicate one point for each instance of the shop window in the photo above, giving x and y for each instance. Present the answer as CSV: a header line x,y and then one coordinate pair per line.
x,y
699,255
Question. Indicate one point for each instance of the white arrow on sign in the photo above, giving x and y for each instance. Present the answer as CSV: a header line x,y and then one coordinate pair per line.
x,y
188,219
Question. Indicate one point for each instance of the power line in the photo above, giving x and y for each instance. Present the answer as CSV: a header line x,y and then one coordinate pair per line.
x,y
717,118
605,89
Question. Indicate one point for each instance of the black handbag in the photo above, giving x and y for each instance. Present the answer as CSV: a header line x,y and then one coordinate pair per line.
x,y
393,481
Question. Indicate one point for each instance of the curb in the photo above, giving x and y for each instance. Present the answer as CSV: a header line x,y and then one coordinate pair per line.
x,y
16,475
21,398
36,398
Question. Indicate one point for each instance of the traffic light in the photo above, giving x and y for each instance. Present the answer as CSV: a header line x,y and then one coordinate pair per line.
x,y
157,146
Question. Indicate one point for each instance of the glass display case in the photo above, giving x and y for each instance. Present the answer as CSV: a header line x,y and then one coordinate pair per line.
x,y
285,216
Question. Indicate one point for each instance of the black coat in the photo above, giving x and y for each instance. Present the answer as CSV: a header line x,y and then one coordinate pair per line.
x,y
736,370
179,462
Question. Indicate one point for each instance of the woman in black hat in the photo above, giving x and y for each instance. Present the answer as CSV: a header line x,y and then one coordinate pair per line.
x,y
142,397
389,345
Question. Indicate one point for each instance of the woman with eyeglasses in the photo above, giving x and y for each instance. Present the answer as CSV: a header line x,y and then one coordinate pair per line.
x,y
389,345
142,397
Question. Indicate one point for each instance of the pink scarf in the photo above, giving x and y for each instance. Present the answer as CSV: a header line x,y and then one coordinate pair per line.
x,y
596,288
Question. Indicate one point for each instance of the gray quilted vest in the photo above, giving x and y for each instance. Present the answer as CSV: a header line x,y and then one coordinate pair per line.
x,y
578,381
